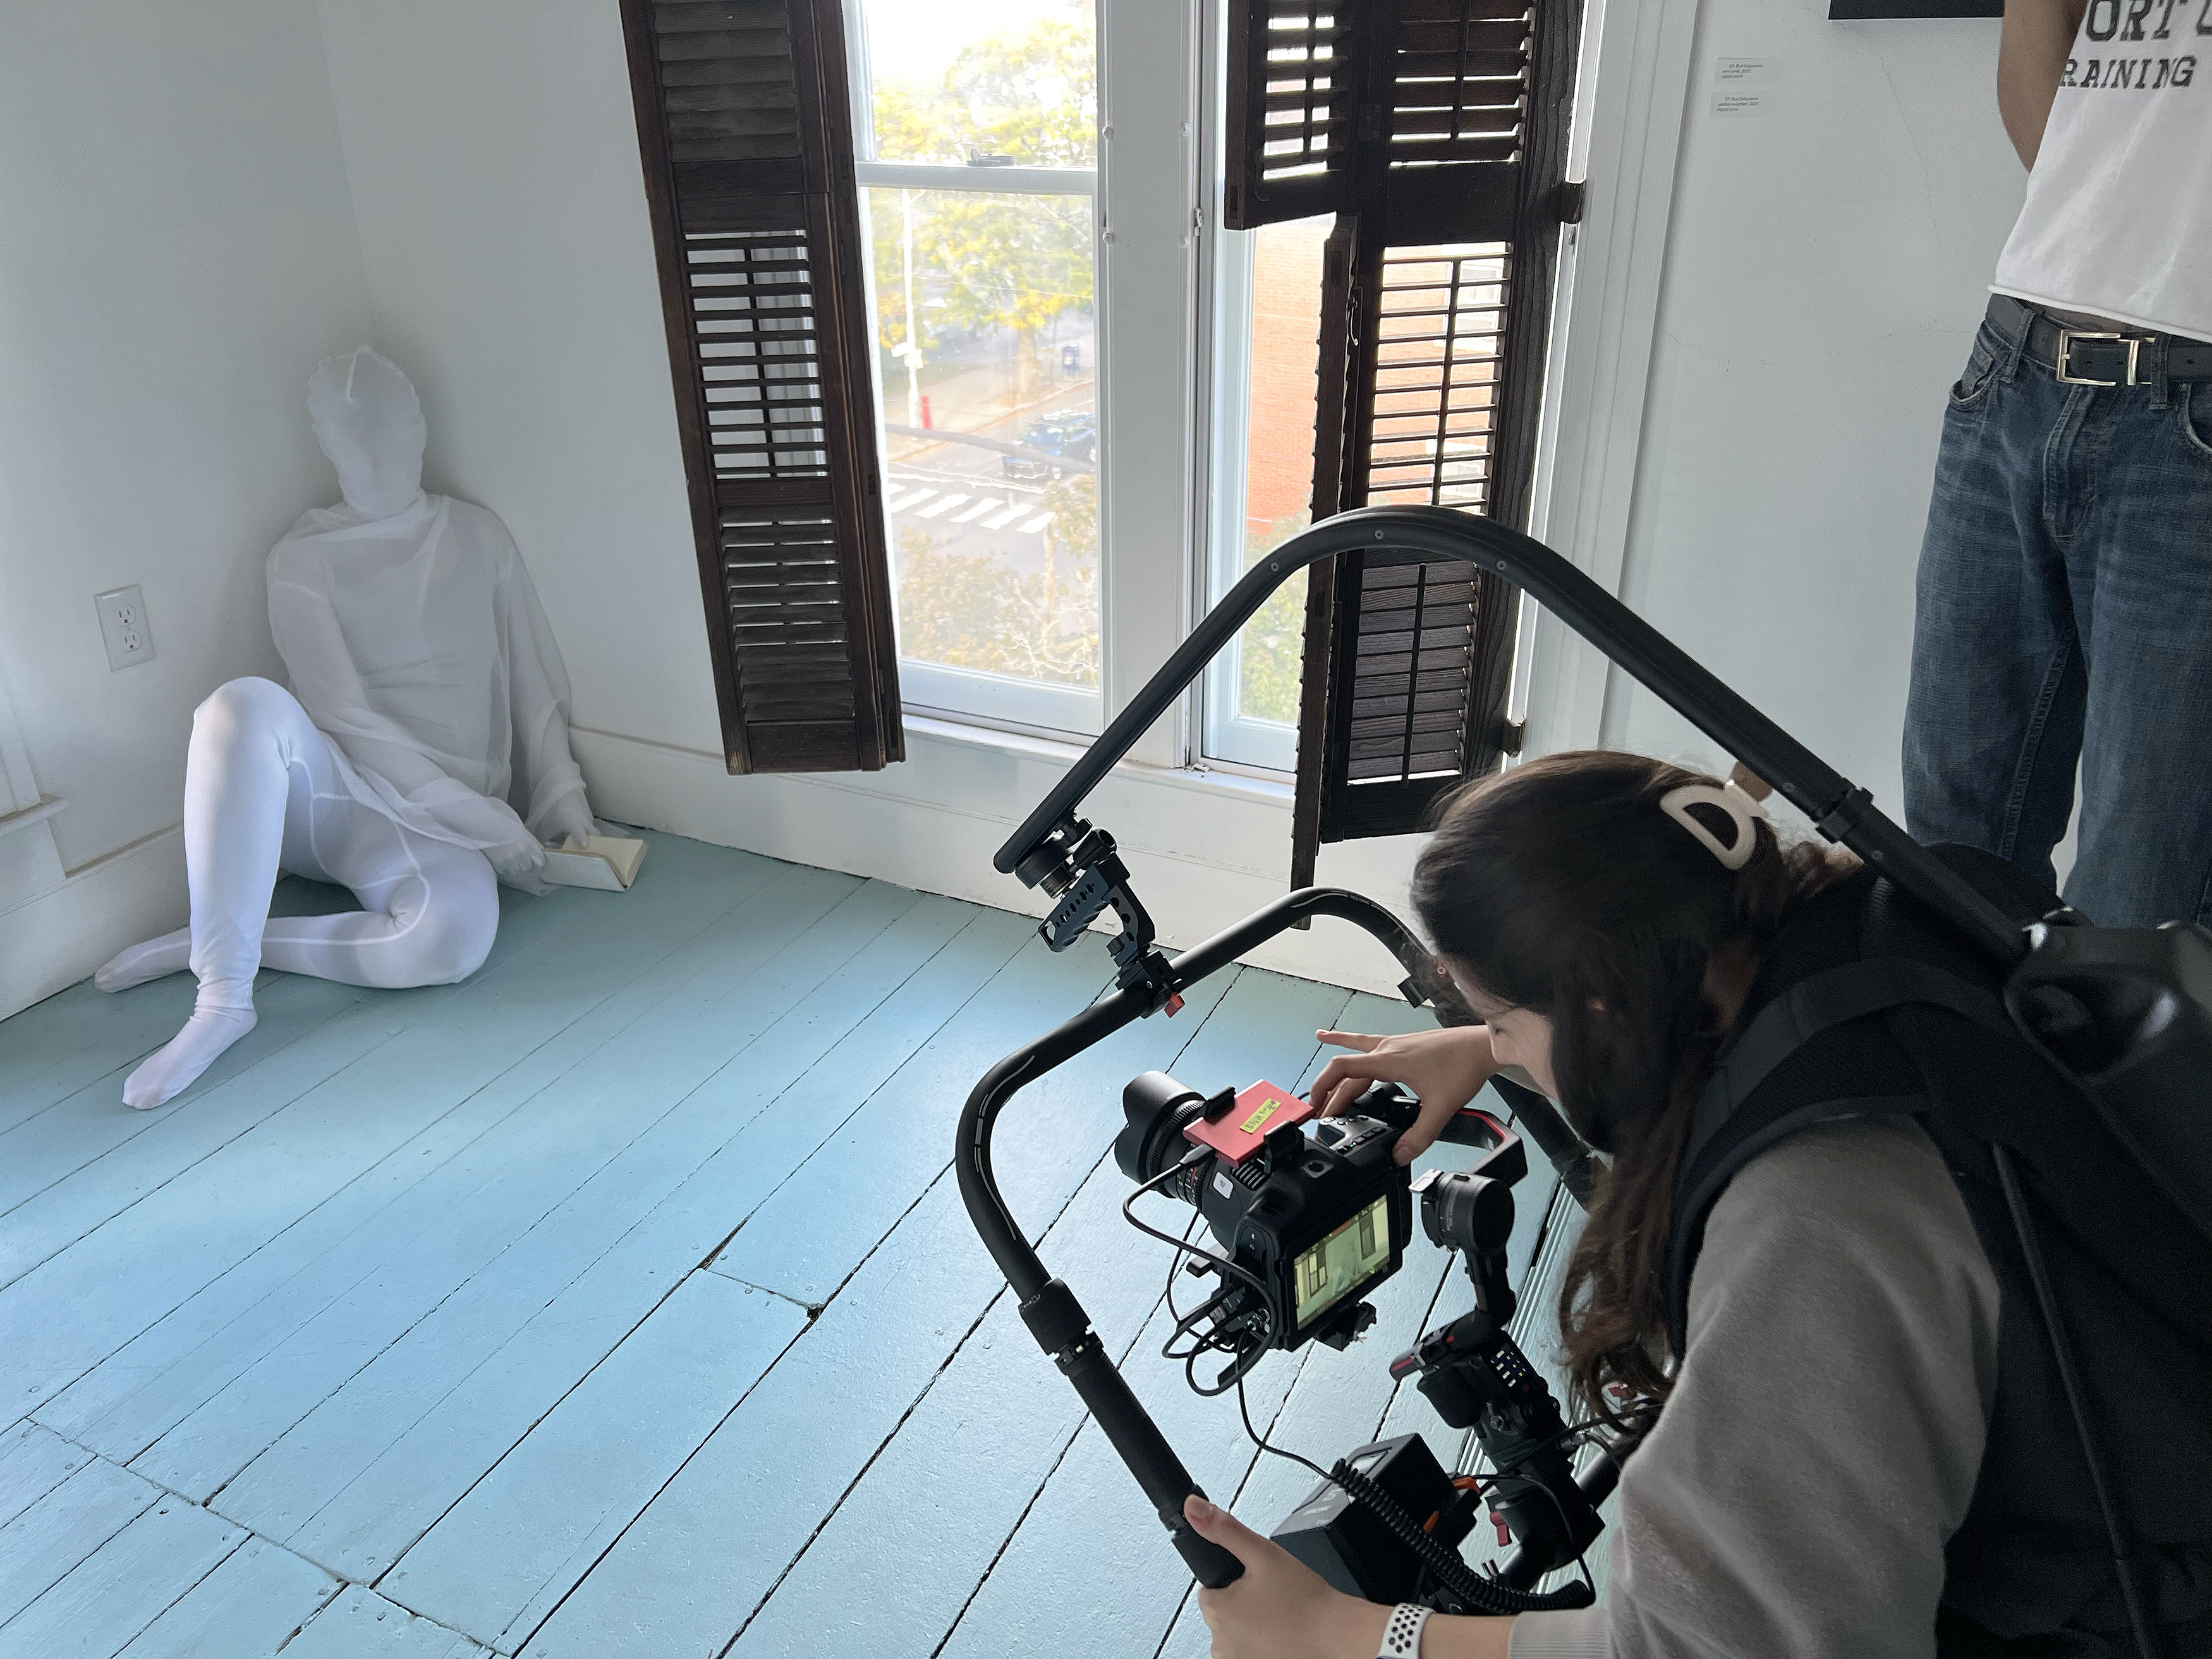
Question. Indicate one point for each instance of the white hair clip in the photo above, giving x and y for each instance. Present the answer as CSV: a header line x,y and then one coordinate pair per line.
x,y
1743,811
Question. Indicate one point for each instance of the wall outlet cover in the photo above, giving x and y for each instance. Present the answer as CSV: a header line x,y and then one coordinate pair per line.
x,y
122,625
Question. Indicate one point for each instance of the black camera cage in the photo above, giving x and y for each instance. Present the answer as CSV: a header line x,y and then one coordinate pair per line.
x,y
1077,864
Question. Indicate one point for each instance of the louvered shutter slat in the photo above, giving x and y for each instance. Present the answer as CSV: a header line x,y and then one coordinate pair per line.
x,y
744,136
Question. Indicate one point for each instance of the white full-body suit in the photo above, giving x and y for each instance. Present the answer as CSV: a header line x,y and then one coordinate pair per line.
x,y
421,756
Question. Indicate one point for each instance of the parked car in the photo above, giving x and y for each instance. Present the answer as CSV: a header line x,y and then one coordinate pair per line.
x,y
1072,433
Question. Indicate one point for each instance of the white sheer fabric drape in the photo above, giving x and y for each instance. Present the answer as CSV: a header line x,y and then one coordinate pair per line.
x,y
413,636
425,737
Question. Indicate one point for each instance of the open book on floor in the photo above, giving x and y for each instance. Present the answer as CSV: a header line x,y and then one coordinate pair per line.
x,y
608,862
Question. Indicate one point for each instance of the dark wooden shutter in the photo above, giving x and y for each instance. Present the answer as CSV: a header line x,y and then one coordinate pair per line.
x,y
1436,132
746,134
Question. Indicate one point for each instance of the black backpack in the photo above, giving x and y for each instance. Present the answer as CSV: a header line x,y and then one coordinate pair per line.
x,y
2091,1527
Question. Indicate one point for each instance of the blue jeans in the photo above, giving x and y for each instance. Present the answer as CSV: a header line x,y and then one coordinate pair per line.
x,y
2064,613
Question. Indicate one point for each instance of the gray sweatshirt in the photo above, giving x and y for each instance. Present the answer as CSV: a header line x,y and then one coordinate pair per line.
x,y
1826,1427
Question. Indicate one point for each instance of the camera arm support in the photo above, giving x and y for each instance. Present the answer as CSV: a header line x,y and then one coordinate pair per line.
x,y
1079,866
1475,1374
1048,1307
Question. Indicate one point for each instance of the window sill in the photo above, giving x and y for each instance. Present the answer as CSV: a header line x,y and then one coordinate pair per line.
x,y
1216,781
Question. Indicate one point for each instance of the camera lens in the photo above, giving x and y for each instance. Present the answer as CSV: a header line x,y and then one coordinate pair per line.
x,y
1157,1108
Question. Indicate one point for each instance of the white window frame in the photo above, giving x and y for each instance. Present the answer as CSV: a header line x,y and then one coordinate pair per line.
x,y
1144,261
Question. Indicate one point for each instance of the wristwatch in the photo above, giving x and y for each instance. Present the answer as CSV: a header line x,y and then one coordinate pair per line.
x,y
1402,1637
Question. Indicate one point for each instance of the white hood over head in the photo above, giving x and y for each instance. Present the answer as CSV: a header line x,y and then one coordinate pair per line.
x,y
369,423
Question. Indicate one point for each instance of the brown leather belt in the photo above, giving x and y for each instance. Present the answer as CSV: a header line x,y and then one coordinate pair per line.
x,y
2089,357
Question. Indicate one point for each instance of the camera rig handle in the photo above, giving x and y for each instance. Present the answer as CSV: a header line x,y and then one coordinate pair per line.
x,y
1048,1307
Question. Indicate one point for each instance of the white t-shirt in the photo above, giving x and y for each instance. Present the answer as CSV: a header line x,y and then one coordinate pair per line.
x,y
2118,216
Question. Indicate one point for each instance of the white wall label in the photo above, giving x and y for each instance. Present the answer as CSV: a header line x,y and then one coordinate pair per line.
x,y
1746,86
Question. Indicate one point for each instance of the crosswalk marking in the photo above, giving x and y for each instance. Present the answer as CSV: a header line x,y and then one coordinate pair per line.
x,y
1003,519
903,500
942,504
989,503
1037,524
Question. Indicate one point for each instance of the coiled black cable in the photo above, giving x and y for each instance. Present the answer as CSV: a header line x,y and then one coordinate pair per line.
x,y
1477,1594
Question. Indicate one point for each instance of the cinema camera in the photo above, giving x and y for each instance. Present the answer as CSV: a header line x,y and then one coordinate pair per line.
x,y
1311,1215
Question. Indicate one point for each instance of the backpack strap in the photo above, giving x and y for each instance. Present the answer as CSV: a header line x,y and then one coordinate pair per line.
x,y
1826,999
1820,1002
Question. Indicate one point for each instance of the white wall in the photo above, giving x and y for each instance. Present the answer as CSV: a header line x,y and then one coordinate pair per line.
x,y
502,221
1826,266
177,249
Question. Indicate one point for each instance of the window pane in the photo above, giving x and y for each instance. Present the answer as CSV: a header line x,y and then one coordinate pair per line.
x,y
987,334
1006,82
987,346
1271,306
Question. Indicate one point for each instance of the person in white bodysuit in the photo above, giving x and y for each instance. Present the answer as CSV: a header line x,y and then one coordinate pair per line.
x,y
421,756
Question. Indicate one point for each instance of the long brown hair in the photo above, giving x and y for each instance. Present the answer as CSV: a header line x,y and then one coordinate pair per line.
x,y
1562,888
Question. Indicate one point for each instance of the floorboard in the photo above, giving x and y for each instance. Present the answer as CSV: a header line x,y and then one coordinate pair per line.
x,y
249,1607
620,1300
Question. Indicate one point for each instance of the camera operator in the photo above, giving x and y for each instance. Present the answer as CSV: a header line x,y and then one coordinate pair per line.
x,y
1836,1470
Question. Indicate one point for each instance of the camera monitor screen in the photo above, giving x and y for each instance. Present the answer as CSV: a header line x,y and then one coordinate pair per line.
x,y
1341,1263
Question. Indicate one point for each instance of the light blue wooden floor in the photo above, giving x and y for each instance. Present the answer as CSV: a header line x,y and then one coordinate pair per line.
x,y
618,1300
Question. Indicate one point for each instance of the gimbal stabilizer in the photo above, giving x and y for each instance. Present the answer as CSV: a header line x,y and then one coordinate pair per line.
x,y
1079,865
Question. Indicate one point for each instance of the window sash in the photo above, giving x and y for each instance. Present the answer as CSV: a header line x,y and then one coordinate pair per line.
x,y
956,693
1147,296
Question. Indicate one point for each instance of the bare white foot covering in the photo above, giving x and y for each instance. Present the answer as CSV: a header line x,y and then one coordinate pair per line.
x,y
155,959
174,1068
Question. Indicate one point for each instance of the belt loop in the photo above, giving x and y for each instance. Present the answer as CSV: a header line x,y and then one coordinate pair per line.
x,y
2010,371
2161,389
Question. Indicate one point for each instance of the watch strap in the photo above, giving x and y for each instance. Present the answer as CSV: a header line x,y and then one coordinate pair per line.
x,y
1402,1637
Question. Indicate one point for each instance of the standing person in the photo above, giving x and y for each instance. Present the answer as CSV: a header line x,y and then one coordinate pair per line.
x,y
2065,605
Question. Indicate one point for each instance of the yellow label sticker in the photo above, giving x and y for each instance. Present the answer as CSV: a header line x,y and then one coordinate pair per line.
x,y
1261,1114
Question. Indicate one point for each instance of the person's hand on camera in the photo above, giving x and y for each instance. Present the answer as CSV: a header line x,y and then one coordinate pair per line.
x,y
1444,1068
1280,1608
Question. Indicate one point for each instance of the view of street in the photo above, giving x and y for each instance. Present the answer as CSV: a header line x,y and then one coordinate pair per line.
x,y
966,497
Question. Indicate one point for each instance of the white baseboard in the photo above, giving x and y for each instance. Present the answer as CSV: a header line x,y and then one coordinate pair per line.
x,y
1203,853
57,936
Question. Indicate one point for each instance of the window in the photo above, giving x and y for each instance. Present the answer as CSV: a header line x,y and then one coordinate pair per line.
x,y
975,130
941,430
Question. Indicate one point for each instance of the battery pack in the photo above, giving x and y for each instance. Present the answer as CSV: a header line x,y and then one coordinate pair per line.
x,y
1351,1548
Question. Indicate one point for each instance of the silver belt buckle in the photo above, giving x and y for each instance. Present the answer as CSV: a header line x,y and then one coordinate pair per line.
x,y
2066,337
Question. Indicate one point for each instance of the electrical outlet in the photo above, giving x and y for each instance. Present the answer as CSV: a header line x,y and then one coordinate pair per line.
x,y
122,625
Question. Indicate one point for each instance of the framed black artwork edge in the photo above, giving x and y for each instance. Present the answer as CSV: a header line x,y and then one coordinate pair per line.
x,y
1855,11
